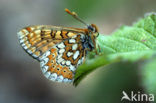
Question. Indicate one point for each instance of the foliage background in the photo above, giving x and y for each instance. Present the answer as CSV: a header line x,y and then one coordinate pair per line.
x,y
20,75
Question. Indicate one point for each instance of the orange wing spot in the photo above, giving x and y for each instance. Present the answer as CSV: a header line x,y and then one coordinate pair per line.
x,y
52,68
44,49
67,73
33,42
58,69
53,50
29,29
37,53
30,35
32,49
64,34
46,36
41,43
50,57
49,64
51,44
34,37
27,44
46,33
51,60
70,75
64,72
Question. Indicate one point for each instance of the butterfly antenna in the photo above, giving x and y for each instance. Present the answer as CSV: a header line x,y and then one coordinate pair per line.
x,y
75,16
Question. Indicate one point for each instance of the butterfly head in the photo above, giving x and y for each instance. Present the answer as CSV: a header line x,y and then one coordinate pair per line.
x,y
92,27
92,31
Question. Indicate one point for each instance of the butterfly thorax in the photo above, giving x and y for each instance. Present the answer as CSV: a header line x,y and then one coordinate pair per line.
x,y
87,43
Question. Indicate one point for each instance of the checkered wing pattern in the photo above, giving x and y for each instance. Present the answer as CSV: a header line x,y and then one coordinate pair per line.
x,y
58,49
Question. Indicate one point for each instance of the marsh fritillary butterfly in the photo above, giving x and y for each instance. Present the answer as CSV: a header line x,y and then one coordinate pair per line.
x,y
60,50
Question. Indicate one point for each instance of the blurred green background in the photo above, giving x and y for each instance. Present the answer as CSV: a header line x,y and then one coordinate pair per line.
x,y
21,80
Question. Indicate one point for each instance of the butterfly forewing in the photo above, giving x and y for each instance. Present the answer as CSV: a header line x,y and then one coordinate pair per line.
x,y
38,39
58,49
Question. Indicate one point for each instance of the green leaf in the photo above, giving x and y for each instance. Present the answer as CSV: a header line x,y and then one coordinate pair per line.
x,y
125,44
149,72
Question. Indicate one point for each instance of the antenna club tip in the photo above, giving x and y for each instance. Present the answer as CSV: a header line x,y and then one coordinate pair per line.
x,y
71,13
67,10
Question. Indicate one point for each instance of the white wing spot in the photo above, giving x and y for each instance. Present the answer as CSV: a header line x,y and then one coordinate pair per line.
x,y
65,80
60,78
60,60
61,45
20,34
82,36
21,41
45,55
74,36
53,76
79,62
82,59
72,41
23,45
76,54
68,62
72,68
25,31
47,74
46,60
34,55
69,54
29,51
43,62
74,47
63,62
59,56
69,81
61,51
44,69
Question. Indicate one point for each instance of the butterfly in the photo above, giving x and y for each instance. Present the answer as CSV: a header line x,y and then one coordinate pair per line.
x,y
60,50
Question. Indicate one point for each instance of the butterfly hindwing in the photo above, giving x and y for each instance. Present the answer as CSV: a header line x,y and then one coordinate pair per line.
x,y
60,62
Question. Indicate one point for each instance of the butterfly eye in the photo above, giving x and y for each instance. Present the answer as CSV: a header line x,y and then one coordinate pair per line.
x,y
58,69
64,71
91,28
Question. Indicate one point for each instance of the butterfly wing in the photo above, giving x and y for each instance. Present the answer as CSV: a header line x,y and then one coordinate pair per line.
x,y
60,62
58,49
36,40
